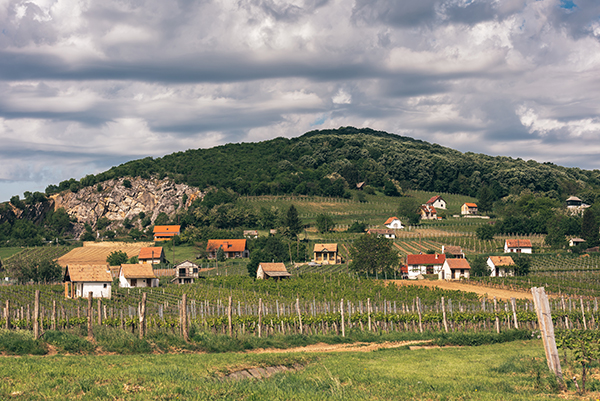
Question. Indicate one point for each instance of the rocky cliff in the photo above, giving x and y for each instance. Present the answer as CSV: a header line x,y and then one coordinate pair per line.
x,y
119,199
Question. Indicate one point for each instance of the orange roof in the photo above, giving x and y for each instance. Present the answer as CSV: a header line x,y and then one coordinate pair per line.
x,y
428,209
137,271
326,247
388,221
172,230
88,273
518,243
502,260
470,204
229,245
433,199
425,259
151,252
458,264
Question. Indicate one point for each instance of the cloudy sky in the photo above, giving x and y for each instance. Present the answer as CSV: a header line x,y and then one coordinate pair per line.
x,y
88,84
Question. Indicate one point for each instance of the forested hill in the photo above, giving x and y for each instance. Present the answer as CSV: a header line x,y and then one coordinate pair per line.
x,y
328,162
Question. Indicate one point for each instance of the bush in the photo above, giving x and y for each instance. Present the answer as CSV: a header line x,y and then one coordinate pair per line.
x,y
20,343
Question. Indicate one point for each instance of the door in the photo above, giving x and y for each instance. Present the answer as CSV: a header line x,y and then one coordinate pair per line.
x,y
134,282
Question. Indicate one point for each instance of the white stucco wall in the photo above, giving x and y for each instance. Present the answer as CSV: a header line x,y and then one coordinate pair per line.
x,y
98,289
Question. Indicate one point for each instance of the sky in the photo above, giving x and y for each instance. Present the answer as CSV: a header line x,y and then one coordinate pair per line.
x,y
86,85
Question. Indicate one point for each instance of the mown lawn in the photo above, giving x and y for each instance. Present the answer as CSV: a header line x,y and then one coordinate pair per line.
x,y
510,371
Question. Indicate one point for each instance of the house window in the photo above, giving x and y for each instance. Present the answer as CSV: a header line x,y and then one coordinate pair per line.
x,y
105,285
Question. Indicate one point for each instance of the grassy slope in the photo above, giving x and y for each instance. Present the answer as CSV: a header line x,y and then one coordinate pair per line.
x,y
6,253
505,371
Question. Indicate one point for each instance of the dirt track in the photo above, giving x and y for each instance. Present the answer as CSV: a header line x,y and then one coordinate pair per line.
x,y
479,290
322,347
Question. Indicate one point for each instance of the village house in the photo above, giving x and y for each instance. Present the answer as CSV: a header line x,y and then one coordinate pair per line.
x,y
517,246
276,271
576,241
151,255
454,269
360,185
386,233
437,202
250,234
393,223
185,272
232,248
137,275
501,266
165,233
468,209
422,264
575,205
454,251
326,254
80,280
428,212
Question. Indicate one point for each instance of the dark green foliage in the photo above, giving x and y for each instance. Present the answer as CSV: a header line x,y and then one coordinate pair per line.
x,y
58,221
133,260
589,228
292,224
102,223
162,219
48,271
220,254
479,267
324,223
371,254
88,235
390,189
17,202
485,199
408,207
357,227
486,232
474,339
68,342
20,343
126,183
522,264
117,258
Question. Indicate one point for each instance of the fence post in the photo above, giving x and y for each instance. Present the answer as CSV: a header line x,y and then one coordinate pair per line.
x,y
444,315
419,313
7,322
184,322
229,326
99,312
36,315
259,317
513,302
342,312
90,311
299,315
143,316
369,312
542,308
53,318
497,318
583,313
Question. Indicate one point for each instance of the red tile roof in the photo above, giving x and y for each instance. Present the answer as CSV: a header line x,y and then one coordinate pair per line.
x,y
152,252
433,199
518,243
458,264
388,221
229,245
425,259
471,204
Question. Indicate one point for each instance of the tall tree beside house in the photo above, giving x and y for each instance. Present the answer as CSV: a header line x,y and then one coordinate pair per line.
x,y
589,228
292,224
522,264
324,223
117,258
371,254
479,267
485,199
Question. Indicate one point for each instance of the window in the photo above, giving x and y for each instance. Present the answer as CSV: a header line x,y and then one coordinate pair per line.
x,y
105,285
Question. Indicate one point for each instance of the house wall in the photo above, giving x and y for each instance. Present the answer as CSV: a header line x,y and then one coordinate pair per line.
x,y
446,273
439,204
98,290
260,273
415,270
516,250
326,257
395,225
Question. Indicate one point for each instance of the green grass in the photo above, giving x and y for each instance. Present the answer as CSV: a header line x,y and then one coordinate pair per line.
x,y
512,371
9,251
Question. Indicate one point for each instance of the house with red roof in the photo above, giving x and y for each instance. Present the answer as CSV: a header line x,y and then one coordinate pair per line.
x,y
428,212
233,248
517,246
165,233
393,223
437,202
454,269
424,264
468,209
152,255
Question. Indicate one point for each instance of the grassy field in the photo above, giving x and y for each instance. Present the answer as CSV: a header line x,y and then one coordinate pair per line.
x,y
9,251
511,371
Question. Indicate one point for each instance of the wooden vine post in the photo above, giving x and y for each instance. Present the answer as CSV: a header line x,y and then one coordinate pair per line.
x,y
184,322
36,315
99,312
90,311
444,315
53,318
419,313
7,315
143,316
542,308
513,303
583,313
342,312
497,317
259,317
299,315
229,325
369,312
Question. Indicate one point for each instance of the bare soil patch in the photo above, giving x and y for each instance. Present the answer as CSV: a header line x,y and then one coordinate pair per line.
x,y
353,347
479,290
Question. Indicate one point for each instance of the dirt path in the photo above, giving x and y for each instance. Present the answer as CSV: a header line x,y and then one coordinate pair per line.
x,y
322,347
479,290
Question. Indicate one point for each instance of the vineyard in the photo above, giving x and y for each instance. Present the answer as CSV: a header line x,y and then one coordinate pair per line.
x,y
33,254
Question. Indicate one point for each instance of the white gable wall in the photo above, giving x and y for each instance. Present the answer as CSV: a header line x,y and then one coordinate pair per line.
x,y
98,289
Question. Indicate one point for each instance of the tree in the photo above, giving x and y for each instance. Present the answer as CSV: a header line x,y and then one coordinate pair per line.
x,y
589,228
292,224
479,267
522,264
357,227
324,223
220,254
48,271
486,232
485,199
133,260
390,189
408,207
117,258
371,253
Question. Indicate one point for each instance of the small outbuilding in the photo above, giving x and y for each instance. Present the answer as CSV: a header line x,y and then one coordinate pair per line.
x,y
517,246
165,233
326,254
386,233
501,266
394,223
454,251
468,209
454,269
151,255
80,280
137,275
276,271
576,241
232,248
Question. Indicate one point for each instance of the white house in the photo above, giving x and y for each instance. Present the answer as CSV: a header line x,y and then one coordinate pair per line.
x,y
501,266
424,264
437,202
393,223
517,246
83,279
454,269
277,271
576,241
138,275
386,233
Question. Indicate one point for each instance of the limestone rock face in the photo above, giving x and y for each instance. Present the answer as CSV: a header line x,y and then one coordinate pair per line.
x,y
116,202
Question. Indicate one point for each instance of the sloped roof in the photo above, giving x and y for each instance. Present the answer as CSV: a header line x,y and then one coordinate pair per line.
x,y
167,230
137,271
453,249
88,273
518,243
574,198
327,247
470,204
151,252
274,269
381,231
458,264
388,221
428,209
185,263
425,259
433,199
229,245
502,260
